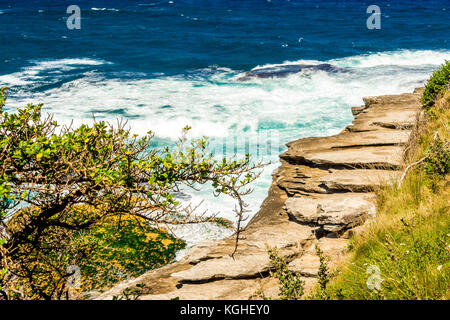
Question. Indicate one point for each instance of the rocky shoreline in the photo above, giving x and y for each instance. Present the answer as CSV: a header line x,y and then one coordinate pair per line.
x,y
322,194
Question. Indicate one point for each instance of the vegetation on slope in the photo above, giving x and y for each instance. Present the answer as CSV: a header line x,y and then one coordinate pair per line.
x,y
405,252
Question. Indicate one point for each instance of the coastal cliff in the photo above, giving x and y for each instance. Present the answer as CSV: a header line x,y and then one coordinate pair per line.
x,y
321,195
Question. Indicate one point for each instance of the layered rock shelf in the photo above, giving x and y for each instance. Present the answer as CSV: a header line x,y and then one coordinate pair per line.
x,y
322,194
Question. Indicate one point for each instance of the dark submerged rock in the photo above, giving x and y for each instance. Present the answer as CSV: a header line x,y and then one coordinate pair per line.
x,y
282,71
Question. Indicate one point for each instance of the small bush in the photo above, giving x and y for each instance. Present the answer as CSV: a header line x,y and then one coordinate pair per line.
x,y
323,275
291,285
439,80
437,164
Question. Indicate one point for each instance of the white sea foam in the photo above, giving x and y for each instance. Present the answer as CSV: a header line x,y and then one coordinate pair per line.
x,y
286,63
104,9
31,74
216,104
402,57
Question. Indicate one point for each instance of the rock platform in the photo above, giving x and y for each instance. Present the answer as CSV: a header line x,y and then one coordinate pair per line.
x,y
322,193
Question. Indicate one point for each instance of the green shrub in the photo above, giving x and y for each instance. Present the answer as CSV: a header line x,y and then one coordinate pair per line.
x,y
291,285
323,275
435,85
437,164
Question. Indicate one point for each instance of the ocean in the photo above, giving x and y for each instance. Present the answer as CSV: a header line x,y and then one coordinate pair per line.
x,y
163,65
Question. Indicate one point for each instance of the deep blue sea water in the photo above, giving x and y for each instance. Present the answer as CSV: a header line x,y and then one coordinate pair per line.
x,y
166,64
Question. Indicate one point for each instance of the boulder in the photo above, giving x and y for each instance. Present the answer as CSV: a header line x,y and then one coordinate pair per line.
x,y
307,265
239,267
383,148
334,212
360,157
358,180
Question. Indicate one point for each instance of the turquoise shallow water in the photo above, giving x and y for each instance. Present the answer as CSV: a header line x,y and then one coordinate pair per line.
x,y
163,65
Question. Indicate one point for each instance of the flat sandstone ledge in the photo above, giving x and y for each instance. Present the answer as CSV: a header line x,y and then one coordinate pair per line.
x,y
320,195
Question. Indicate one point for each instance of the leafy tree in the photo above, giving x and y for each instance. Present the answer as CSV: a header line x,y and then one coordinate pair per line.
x,y
58,181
